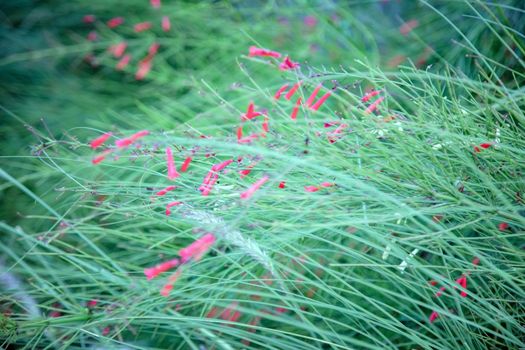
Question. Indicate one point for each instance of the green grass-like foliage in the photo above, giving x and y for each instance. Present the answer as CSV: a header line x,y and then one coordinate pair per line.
x,y
426,189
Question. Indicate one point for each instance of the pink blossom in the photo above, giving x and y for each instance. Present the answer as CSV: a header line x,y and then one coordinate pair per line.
x,y
197,249
99,141
166,24
374,105
165,190
170,205
155,4
115,22
153,49
172,171
312,97
407,27
89,19
166,289
222,165
287,64
433,316
143,26
153,272
251,190
295,110
462,281
118,49
248,170
92,36
124,61
144,68
310,21
250,113
369,95
256,51
280,91
292,91
311,188
320,102
125,142
185,165
101,156
248,139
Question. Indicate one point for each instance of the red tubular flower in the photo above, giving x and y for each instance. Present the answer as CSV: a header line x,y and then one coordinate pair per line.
x,y
144,68
250,113
407,27
101,156
280,91
287,64
256,51
197,249
374,105
239,132
320,102
433,316
475,261
312,97
125,142
280,310
155,4
370,94
327,184
311,188
166,24
249,138
166,190
503,226
207,179
172,171
248,170
115,22
185,165
92,36
295,110
265,125
213,312
92,303
89,19
230,313
462,281
282,184
212,177
153,272
222,165
251,190
330,124
440,292
153,49
124,61
165,291
206,188
99,141
169,206
143,26
292,91
118,49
